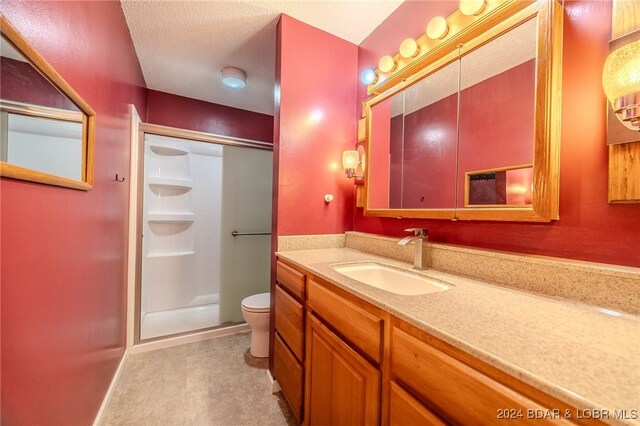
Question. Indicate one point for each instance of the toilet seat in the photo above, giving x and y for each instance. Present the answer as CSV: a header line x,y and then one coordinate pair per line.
x,y
257,303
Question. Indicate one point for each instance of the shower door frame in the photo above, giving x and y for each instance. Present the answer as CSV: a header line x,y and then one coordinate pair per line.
x,y
138,148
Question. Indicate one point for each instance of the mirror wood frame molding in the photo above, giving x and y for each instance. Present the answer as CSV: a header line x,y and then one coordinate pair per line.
x,y
86,116
466,34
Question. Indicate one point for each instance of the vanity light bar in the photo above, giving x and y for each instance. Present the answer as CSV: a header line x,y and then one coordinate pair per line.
x,y
439,31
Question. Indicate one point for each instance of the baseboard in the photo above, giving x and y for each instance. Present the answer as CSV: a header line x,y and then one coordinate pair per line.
x,y
189,338
112,386
275,387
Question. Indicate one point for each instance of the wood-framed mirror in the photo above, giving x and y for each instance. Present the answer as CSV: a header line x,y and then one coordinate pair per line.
x,y
475,111
46,128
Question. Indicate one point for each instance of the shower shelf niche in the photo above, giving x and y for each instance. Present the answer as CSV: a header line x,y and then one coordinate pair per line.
x,y
167,150
170,217
171,253
170,182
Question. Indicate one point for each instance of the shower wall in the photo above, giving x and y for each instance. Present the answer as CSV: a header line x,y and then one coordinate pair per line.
x,y
181,236
195,273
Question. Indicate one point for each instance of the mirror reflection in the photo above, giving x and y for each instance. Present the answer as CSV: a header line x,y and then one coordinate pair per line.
x,y
45,127
497,101
50,146
429,144
386,132
464,135
22,83
414,142
509,187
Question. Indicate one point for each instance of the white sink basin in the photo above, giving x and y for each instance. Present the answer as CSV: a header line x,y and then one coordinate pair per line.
x,y
391,279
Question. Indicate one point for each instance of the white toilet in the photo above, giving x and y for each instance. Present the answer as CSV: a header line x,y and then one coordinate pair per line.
x,y
255,310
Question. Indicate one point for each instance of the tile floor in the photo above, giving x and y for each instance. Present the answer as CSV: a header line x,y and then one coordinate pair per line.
x,y
212,382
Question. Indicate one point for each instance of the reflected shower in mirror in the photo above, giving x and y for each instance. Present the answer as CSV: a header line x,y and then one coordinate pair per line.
x,y
497,101
45,127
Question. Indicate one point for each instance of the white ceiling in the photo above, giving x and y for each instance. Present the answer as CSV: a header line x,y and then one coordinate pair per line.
x,y
183,45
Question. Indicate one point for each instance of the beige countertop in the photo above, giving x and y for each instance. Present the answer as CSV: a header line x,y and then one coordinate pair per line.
x,y
585,356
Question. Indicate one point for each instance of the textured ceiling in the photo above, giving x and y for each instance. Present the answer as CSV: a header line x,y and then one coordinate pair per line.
x,y
183,45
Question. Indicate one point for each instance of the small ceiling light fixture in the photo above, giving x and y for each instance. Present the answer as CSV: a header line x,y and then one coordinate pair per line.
x,y
368,76
387,64
409,48
621,82
234,77
350,162
437,28
472,7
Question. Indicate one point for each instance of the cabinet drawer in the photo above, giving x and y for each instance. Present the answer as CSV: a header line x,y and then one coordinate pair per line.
x,y
291,279
360,327
289,374
406,410
289,321
453,390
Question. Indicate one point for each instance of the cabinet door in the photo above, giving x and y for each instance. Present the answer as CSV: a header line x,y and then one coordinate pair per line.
x,y
342,388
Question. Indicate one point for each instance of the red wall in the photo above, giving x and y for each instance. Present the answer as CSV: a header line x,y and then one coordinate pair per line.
x,y
496,122
589,227
317,103
186,113
429,173
21,82
63,250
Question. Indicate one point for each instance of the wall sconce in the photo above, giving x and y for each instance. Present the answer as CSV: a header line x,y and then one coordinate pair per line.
x,y
621,80
350,162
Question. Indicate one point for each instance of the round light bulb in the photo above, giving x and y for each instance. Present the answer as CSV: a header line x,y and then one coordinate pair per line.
x,y
387,64
409,48
437,28
621,72
368,76
472,7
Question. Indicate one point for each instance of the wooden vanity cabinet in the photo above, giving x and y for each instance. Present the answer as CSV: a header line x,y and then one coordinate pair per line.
x,y
342,387
355,363
443,384
288,345
406,410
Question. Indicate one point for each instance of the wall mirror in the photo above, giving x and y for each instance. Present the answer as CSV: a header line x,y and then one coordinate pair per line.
x,y
473,134
46,129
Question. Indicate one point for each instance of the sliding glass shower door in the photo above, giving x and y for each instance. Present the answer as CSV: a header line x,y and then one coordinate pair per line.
x,y
196,197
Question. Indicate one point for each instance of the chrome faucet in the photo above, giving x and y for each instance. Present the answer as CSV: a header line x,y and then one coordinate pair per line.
x,y
420,238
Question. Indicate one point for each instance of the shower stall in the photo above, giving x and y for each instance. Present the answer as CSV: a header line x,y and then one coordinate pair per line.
x,y
206,220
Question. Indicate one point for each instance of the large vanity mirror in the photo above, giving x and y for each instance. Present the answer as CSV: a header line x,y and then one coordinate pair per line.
x,y
46,129
473,134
